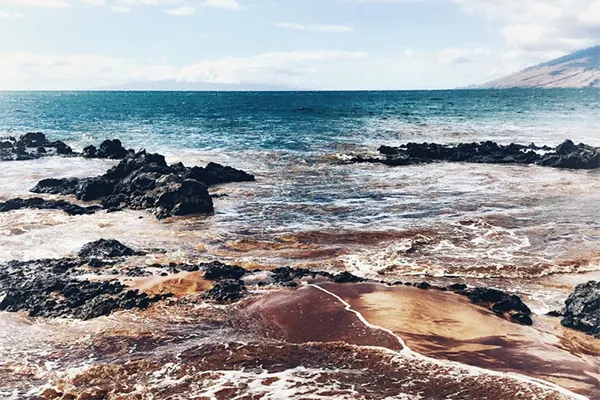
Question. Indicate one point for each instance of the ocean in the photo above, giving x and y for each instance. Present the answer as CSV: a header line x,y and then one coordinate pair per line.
x,y
526,229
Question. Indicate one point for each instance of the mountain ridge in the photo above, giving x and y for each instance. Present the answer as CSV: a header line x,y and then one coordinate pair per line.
x,y
580,69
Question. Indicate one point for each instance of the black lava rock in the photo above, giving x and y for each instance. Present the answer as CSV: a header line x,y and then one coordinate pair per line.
x,y
94,189
144,181
502,303
566,155
347,277
582,309
57,186
41,204
112,149
226,291
106,249
31,146
217,271
51,288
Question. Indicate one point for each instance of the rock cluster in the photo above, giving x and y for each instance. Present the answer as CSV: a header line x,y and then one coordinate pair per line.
x,y
34,145
144,181
582,309
31,146
566,155
110,149
50,288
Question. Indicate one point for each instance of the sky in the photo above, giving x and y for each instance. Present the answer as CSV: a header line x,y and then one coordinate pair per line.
x,y
308,44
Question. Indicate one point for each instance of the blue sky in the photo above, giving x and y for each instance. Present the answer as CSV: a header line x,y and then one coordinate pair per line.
x,y
320,44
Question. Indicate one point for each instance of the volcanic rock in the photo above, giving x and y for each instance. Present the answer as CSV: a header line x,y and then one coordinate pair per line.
x,y
42,204
566,155
51,288
217,271
106,249
226,291
582,309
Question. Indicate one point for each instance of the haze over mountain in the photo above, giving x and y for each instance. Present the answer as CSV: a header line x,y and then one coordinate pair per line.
x,y
580,69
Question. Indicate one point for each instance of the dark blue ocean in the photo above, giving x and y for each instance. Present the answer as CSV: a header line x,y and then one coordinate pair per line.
x,y
303,121
308,207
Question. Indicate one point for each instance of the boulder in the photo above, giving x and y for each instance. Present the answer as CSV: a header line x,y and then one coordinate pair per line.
x,y
347,277
217,271
502,303
112,149
582,309
215,174
188,197
94,189
89,151
226,291
33,139
61,148
65,186
104,249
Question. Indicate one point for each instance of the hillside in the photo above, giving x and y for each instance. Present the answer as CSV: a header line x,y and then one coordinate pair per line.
x,y
580,69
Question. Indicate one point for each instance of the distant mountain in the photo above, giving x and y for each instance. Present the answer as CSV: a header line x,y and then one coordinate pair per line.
x,y
196,87
576,70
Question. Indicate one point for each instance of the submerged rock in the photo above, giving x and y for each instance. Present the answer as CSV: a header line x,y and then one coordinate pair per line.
x,y
42,204
566,155
582,309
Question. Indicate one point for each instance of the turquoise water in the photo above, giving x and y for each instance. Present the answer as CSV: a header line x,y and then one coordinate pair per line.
x,y
303,121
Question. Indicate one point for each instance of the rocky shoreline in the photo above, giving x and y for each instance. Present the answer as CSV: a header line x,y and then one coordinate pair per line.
x,y
567,155
144,181
140,181
55,288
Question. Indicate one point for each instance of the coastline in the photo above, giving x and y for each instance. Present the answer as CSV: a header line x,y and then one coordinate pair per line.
x,y
440,263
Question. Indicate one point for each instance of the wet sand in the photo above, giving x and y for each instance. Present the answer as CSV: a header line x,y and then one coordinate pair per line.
x,y
447,326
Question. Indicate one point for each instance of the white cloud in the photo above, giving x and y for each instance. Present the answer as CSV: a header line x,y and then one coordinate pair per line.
x,y
181,11
10,15
463,56
223,4
120,9
315,27
38,71
538,29
36,3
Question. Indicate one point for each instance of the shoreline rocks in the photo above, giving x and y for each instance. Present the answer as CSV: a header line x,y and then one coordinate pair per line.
x,y
582,309
42,204
51,288
141,181
144,181
567,155
35,145
31,146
